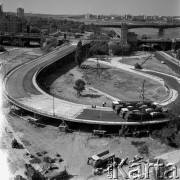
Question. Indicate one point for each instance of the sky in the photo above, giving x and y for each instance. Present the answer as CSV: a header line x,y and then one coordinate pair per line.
x,y
106,7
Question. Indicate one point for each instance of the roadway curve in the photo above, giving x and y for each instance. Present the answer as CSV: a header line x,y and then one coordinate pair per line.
x,y
19,88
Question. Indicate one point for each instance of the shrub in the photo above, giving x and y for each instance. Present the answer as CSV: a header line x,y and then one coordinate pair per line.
x,y
2,49
79,86
157,134
144,150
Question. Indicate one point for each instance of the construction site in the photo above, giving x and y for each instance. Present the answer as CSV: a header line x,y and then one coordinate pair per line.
x,y
99,135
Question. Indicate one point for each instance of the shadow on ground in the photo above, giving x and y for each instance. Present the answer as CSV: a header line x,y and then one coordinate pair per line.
x,y
91,95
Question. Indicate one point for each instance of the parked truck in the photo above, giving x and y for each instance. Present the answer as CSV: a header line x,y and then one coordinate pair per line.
x,y
100,159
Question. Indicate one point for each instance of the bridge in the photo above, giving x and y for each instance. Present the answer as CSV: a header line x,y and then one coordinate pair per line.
x,y
22,89
133,26
161,27
21,40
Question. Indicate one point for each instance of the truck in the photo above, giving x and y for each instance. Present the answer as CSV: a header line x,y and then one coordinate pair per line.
x,y
100,159
123,112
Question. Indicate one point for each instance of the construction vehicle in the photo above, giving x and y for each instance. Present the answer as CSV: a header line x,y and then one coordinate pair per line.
x,y
100,159
15,143
139,66
123,112
116,103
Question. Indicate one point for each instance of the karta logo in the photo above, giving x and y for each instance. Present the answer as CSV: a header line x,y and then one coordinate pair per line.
x,y
143,171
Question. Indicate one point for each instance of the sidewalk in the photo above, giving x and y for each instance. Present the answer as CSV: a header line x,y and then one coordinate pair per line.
x,y
168,57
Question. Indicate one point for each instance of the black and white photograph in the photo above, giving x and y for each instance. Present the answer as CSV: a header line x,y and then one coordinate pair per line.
x,y
90,89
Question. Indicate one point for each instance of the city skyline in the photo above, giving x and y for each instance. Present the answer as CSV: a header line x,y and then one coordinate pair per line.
x,y
106,7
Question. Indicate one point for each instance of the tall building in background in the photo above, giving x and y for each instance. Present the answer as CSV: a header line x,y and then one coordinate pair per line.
x,y
1,10
124,33
88,16
9,22
20,13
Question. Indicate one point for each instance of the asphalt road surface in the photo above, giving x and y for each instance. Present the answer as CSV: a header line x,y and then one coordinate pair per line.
x,y
20,84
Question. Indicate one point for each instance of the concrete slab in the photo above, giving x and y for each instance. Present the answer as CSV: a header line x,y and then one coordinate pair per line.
x,y
51,105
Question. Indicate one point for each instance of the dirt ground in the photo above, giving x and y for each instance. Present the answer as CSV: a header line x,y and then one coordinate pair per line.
x,y
76,147
16,56
151,64
115,82
63,87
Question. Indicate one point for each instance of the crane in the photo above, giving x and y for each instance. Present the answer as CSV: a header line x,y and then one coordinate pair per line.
x,y
139,66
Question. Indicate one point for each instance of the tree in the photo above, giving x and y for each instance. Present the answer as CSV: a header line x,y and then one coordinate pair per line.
x,y
79,86
35,30
78,55
81,27
99,48
119,49
2,49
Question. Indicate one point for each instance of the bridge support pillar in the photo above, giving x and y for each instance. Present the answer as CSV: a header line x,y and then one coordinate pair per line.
x,y
1,41
161,31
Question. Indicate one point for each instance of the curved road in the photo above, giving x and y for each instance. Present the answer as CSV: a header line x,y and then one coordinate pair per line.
x,y
20,90
19,82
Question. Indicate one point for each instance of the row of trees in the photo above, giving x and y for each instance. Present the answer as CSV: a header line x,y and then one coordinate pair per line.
x,y
62,24
101,48
119,49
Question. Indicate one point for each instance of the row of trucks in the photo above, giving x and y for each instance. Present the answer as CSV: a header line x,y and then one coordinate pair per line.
x,y
138,110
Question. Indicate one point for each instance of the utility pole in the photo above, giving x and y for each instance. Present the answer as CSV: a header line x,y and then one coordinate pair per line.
x,y
22,57
142,90
53,107
142,93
